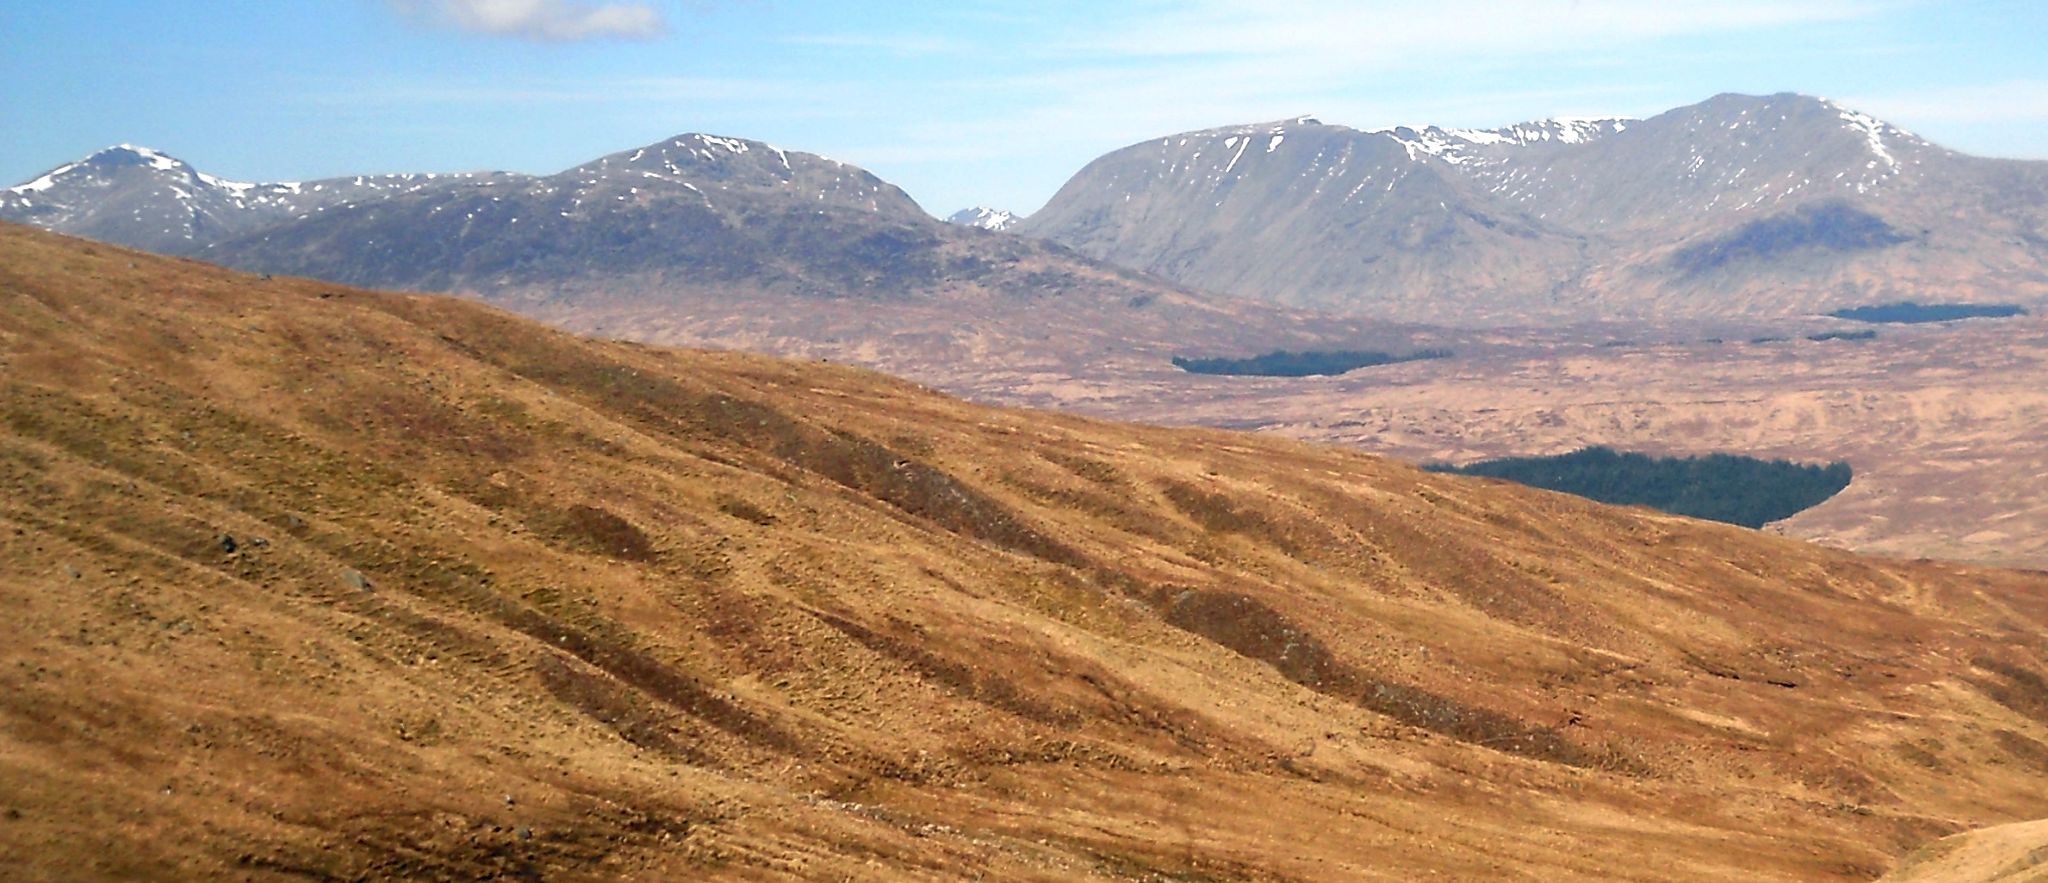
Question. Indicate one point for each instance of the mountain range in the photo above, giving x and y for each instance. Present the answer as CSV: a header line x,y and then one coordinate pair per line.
x,y
1735,207
1749,207
699,210
1739,206
305,581
696,240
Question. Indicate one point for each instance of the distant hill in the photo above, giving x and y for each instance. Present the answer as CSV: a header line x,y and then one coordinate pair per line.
x,y
1739,206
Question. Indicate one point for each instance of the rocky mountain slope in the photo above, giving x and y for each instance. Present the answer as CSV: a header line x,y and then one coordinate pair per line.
x,y
1737,206
306,581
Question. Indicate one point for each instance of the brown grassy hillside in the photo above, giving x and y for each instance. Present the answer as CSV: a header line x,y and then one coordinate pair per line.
x,y
2014,853
308,582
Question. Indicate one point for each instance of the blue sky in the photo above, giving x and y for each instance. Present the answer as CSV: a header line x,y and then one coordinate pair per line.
x,y
958,102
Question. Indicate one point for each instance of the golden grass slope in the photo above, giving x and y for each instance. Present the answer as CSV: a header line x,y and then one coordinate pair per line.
x,y
500,601
2015,853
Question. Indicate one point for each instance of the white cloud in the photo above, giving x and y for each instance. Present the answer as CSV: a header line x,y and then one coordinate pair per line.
x,y
776,93
552,21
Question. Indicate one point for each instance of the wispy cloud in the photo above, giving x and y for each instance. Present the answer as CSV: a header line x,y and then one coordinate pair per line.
x,y
1185,63
891,44
1140,70
550,21
2012,101
1327,31
627,90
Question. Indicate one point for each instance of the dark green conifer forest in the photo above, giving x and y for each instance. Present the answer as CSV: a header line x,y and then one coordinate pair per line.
x,y
1908,312
1719,487
1308,363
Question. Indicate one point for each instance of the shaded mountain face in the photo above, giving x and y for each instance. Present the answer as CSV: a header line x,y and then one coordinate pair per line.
x,y
342,584
142,198
1570,219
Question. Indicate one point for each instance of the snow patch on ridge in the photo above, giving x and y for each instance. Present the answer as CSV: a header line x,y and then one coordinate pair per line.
x,y
1458,146
47,181
1872,130
158,161
984,217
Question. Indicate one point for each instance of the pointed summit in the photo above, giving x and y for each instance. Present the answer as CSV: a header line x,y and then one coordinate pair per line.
x,y
102,164
134,155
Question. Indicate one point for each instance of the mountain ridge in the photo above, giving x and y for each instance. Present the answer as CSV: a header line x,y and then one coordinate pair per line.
x,y
174,208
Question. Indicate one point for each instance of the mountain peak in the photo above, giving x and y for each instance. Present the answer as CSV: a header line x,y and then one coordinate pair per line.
x,y
715,145
697,151
1882,139
1269,127
708,164
1738,102
135,154
106,160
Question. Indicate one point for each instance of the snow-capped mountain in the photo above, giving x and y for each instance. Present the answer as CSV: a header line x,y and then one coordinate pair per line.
x,y
1737,205
145,198
984,217
680,201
